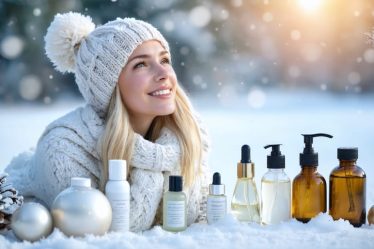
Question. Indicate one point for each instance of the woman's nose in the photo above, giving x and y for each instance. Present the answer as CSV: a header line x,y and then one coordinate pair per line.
x,y
162,73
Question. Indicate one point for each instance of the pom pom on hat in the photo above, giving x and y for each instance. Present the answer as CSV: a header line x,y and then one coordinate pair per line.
x,y
64,36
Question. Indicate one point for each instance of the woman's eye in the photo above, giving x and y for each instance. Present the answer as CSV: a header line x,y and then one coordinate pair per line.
x,y
139,65
165,61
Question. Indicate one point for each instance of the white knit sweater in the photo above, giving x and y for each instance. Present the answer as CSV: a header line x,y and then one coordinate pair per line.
x,y
67,148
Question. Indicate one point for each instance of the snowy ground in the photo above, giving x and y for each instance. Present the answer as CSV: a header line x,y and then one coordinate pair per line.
x,y
231,123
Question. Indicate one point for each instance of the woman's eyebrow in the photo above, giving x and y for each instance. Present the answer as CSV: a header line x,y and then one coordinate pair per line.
x,y
145,56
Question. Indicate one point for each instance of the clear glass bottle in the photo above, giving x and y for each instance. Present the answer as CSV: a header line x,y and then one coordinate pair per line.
x,y
217,201
347,198
174,206
309,187
244,203
275,189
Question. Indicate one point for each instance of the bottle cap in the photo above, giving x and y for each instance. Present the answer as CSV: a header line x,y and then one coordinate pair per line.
x,y
308,157
275,160
245,167
175,183
216,188
80,182
117,170
348,153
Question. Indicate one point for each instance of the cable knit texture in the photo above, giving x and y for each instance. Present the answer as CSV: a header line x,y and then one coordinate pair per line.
x,y
67,148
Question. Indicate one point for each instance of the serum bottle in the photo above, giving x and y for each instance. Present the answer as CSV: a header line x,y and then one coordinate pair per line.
x,y
117,190
174,206
309,187
275,189
347,199
217,203
244,203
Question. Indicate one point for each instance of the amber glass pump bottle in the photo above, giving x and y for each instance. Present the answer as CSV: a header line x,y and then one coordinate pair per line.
x,y
347,198
309,187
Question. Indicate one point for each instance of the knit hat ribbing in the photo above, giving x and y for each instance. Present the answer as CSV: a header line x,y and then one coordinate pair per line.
x,y
96,56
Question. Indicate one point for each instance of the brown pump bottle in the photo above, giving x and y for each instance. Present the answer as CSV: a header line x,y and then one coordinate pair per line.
x,y
309,187
347,198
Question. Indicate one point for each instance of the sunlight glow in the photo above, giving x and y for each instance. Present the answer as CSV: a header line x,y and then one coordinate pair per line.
x,y
310,5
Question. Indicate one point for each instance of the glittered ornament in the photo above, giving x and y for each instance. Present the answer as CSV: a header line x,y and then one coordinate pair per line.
x,y
371,215
80,209
31,222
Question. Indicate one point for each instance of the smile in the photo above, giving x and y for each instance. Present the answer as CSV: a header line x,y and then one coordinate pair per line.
x,y
164,92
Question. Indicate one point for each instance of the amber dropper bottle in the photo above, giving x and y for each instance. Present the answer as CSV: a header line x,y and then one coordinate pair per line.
x,y
347,198
309,187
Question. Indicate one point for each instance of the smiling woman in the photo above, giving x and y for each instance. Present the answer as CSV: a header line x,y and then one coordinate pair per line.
x,y
135,111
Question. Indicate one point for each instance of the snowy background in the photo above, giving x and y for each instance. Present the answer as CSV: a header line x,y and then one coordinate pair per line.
x,y
259,72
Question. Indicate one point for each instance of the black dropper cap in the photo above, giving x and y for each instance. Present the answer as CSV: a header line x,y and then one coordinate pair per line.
x,y
308,157
349,154
216,179
275,160
246,154
175,183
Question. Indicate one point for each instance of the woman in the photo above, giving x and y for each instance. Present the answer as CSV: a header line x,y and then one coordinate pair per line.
x,y
135,111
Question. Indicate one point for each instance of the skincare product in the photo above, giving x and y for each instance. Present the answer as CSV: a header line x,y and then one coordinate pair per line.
x,y
117,190
309,187
174,206
275,189
347,198
244,203
217,203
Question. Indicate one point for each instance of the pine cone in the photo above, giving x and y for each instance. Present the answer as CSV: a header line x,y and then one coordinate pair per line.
x,y
9,201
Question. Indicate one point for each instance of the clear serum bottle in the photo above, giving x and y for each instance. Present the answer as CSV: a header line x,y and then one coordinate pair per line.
x,y
275,189
217,201
309,186
347,199
244,204
117,190
174,206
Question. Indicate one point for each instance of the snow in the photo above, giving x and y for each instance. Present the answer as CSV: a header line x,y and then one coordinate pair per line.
x,y
281,119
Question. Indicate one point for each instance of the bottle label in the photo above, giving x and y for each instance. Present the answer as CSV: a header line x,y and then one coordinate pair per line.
x,y
175,214
120,203
216,208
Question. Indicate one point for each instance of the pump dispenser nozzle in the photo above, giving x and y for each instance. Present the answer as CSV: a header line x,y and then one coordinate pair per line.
x,y
275,160
308,157
245,167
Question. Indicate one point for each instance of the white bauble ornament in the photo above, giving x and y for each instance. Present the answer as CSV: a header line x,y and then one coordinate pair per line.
x,y
80,209
32,221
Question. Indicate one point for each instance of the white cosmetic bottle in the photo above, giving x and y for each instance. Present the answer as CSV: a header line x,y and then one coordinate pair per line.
x,y
217,203
117,190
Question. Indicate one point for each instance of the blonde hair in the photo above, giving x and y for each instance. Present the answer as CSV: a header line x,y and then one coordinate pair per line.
x,y
117,140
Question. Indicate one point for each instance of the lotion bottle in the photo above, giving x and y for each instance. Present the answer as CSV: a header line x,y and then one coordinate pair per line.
x,y
174,206
309,187
275,189
217,203
117,190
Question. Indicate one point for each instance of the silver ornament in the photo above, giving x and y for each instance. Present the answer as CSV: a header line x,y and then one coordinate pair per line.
x,y
32,221
80,210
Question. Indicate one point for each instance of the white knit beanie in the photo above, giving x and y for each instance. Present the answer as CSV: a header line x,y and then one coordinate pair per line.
x,y
96,55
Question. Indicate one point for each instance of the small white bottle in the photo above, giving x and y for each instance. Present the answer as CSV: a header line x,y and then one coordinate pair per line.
x,y
174,206
117,190
217,202
275,189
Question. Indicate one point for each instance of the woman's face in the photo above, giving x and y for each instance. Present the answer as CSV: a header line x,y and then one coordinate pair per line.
x,y
148,82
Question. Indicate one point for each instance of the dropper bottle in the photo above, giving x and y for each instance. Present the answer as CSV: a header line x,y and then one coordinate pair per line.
x,y
275,189
309,187
347,197
244,203
216,201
